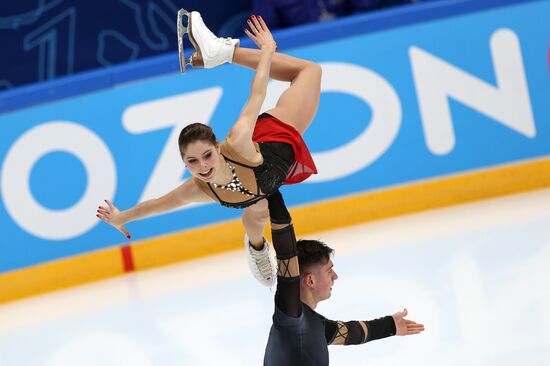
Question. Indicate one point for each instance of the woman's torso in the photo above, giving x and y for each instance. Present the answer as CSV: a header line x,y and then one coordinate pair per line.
x,y
255,179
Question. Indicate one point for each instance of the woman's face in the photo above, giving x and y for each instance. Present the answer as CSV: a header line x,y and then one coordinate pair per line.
x,y
202,159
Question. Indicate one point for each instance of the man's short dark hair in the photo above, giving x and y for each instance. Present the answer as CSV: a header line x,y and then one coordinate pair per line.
x,y
312,252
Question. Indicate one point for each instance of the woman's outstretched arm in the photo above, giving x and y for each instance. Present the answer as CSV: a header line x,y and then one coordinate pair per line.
x,y
184,194
240,135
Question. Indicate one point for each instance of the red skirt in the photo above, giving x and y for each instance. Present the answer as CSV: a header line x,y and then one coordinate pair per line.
x,y
270,129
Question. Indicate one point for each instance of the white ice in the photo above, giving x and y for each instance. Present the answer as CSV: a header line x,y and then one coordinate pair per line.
x,y
477,275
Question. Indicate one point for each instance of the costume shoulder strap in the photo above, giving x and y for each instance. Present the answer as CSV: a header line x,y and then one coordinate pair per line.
x,y
232,155
205,187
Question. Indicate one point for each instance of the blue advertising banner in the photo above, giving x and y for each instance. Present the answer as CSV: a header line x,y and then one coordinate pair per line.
x,y
401,105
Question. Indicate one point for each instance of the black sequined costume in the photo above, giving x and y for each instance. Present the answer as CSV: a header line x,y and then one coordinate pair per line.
x,y
253,182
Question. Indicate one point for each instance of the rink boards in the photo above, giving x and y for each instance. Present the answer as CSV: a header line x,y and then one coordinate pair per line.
x,y
412,116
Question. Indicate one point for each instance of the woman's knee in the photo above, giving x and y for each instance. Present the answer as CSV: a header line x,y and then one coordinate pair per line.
x,y
309,75
259,206
262,213
318,69
258,212
315,69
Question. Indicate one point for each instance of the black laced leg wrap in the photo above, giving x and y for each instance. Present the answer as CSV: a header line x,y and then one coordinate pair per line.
x,y
287,297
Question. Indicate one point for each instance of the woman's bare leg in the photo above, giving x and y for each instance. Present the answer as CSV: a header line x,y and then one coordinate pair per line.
x,y
255,219
298,104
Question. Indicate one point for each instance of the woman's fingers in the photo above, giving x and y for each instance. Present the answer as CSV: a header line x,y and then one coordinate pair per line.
x,y
110,204
104,215
259,32
262,24
125,232
257,23
101,217
103,212
250,35
253,27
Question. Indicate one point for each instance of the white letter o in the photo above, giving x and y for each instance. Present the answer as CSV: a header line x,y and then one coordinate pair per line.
x,y
18,199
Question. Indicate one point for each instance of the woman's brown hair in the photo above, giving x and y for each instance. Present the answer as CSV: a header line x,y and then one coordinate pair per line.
x,y
196,132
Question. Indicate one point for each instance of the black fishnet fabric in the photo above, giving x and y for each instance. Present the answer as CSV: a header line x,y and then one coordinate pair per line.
x,y
287,296
285,267
352,332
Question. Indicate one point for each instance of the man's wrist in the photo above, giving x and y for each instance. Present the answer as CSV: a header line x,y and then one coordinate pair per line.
x,y
381,328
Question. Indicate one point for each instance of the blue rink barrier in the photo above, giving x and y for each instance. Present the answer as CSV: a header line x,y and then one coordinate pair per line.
x,y
448,89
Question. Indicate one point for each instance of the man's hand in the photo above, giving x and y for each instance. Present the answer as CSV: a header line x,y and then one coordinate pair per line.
x,y
404,326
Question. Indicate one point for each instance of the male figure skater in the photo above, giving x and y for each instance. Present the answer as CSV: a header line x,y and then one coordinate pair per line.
x,y
299,335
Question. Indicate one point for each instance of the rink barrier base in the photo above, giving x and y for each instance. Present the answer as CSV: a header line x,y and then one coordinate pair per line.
x,y
320,216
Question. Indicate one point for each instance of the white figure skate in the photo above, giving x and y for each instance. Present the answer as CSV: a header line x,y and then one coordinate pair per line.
x,y
261,263
210,50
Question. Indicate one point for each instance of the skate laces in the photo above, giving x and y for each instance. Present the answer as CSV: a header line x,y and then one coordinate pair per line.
x,y
221,40
263,263
226,41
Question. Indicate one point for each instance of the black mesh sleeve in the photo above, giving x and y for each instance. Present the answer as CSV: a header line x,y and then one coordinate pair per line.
x,y
287,296
358,331
380,328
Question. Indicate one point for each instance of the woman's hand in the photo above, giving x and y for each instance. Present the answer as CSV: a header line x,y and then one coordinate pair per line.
x,y
261,35
111,215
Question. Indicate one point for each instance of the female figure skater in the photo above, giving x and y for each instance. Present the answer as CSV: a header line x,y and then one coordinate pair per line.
x,y
258,155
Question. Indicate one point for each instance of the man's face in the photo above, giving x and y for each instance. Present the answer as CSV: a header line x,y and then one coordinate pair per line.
x,y
324,280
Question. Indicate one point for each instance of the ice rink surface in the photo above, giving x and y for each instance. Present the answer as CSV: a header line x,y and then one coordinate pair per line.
x,y
477,275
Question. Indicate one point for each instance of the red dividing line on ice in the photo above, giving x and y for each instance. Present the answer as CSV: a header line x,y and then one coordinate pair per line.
x,y
127,258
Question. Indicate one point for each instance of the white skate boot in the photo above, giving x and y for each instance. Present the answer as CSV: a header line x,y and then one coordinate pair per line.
x,y
261,264
210,50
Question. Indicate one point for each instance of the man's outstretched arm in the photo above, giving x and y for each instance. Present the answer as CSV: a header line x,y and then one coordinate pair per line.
x,y
287,296
359,331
